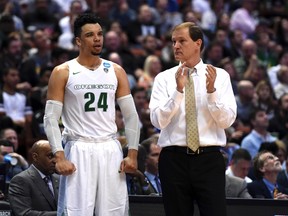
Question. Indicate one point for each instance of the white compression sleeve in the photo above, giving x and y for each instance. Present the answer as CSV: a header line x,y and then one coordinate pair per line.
x,y
53,111
131,120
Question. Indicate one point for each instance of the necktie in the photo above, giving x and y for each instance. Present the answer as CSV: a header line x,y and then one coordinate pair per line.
x,y
192,135
48,182
275,192
158,184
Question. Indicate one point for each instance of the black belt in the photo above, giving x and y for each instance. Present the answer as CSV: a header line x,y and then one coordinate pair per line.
x,y
186,150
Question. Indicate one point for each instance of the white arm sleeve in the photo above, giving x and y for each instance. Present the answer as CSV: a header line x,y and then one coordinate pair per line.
x,y
53,111
131,120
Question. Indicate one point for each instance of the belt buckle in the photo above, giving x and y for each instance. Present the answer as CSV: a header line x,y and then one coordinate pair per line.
x,y
191,152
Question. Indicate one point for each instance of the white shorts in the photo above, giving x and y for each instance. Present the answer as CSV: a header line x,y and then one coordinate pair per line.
x,y
96,188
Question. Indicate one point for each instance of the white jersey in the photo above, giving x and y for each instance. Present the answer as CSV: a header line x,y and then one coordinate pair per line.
x,y
89,101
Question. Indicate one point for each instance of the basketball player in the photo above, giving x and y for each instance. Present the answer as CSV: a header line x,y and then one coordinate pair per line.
x,y
82,92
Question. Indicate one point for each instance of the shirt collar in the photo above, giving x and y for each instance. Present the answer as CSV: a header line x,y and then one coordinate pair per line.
x,y
198,66
269,185
150,176
41,174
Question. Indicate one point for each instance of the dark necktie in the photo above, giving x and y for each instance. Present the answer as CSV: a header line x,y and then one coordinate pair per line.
x,y
158,184
191,115
47,180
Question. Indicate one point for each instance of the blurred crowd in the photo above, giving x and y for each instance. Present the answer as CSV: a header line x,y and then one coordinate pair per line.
x,y
248,38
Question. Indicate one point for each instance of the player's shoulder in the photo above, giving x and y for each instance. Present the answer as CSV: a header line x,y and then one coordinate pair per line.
x,y
63,68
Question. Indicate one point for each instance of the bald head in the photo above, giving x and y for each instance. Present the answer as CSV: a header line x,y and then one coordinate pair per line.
x,y
43,158
40,144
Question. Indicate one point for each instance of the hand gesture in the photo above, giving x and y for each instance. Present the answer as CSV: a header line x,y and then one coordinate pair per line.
x,y
210,78
182,77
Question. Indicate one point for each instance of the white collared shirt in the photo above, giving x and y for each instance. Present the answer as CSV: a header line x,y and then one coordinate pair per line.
x,y
215,111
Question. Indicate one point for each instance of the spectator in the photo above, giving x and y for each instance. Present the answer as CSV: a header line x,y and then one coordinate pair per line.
x,y
166,18
240,164
243,19
259,134
227,64
282,32
278,124
209,17
16,163
214,53
235,187
245,100
38,93
112,43
66,5
116,27
66,25
266,168
102,9
142,26
221,36
236,39
41,18
12,103
282,86
265,51
149,46
11,135
116,58
40,57
29,194
272,71
264,98
6,26
7,8
13,56
248,61
152,66
151,162
123,13
277,148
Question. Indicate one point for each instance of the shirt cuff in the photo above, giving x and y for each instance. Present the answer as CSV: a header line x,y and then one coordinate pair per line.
x,y
177,97
212,97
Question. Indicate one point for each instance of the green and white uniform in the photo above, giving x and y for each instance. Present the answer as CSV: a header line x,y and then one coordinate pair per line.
x,y
89,140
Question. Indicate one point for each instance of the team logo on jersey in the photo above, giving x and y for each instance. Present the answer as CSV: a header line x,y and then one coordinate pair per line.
x,y
106,65
74,73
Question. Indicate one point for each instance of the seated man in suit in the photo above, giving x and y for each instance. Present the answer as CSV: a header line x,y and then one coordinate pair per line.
x,y
151,163
235,187
137,183
266,168
35,190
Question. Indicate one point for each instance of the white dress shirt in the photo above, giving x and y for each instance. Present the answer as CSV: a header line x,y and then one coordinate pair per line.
x,y
215,111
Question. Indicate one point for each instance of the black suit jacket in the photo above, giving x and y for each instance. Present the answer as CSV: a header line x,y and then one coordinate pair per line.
x,y
29,194
282,181
258,189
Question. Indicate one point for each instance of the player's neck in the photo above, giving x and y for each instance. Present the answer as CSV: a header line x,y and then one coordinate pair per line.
x,y
90,63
